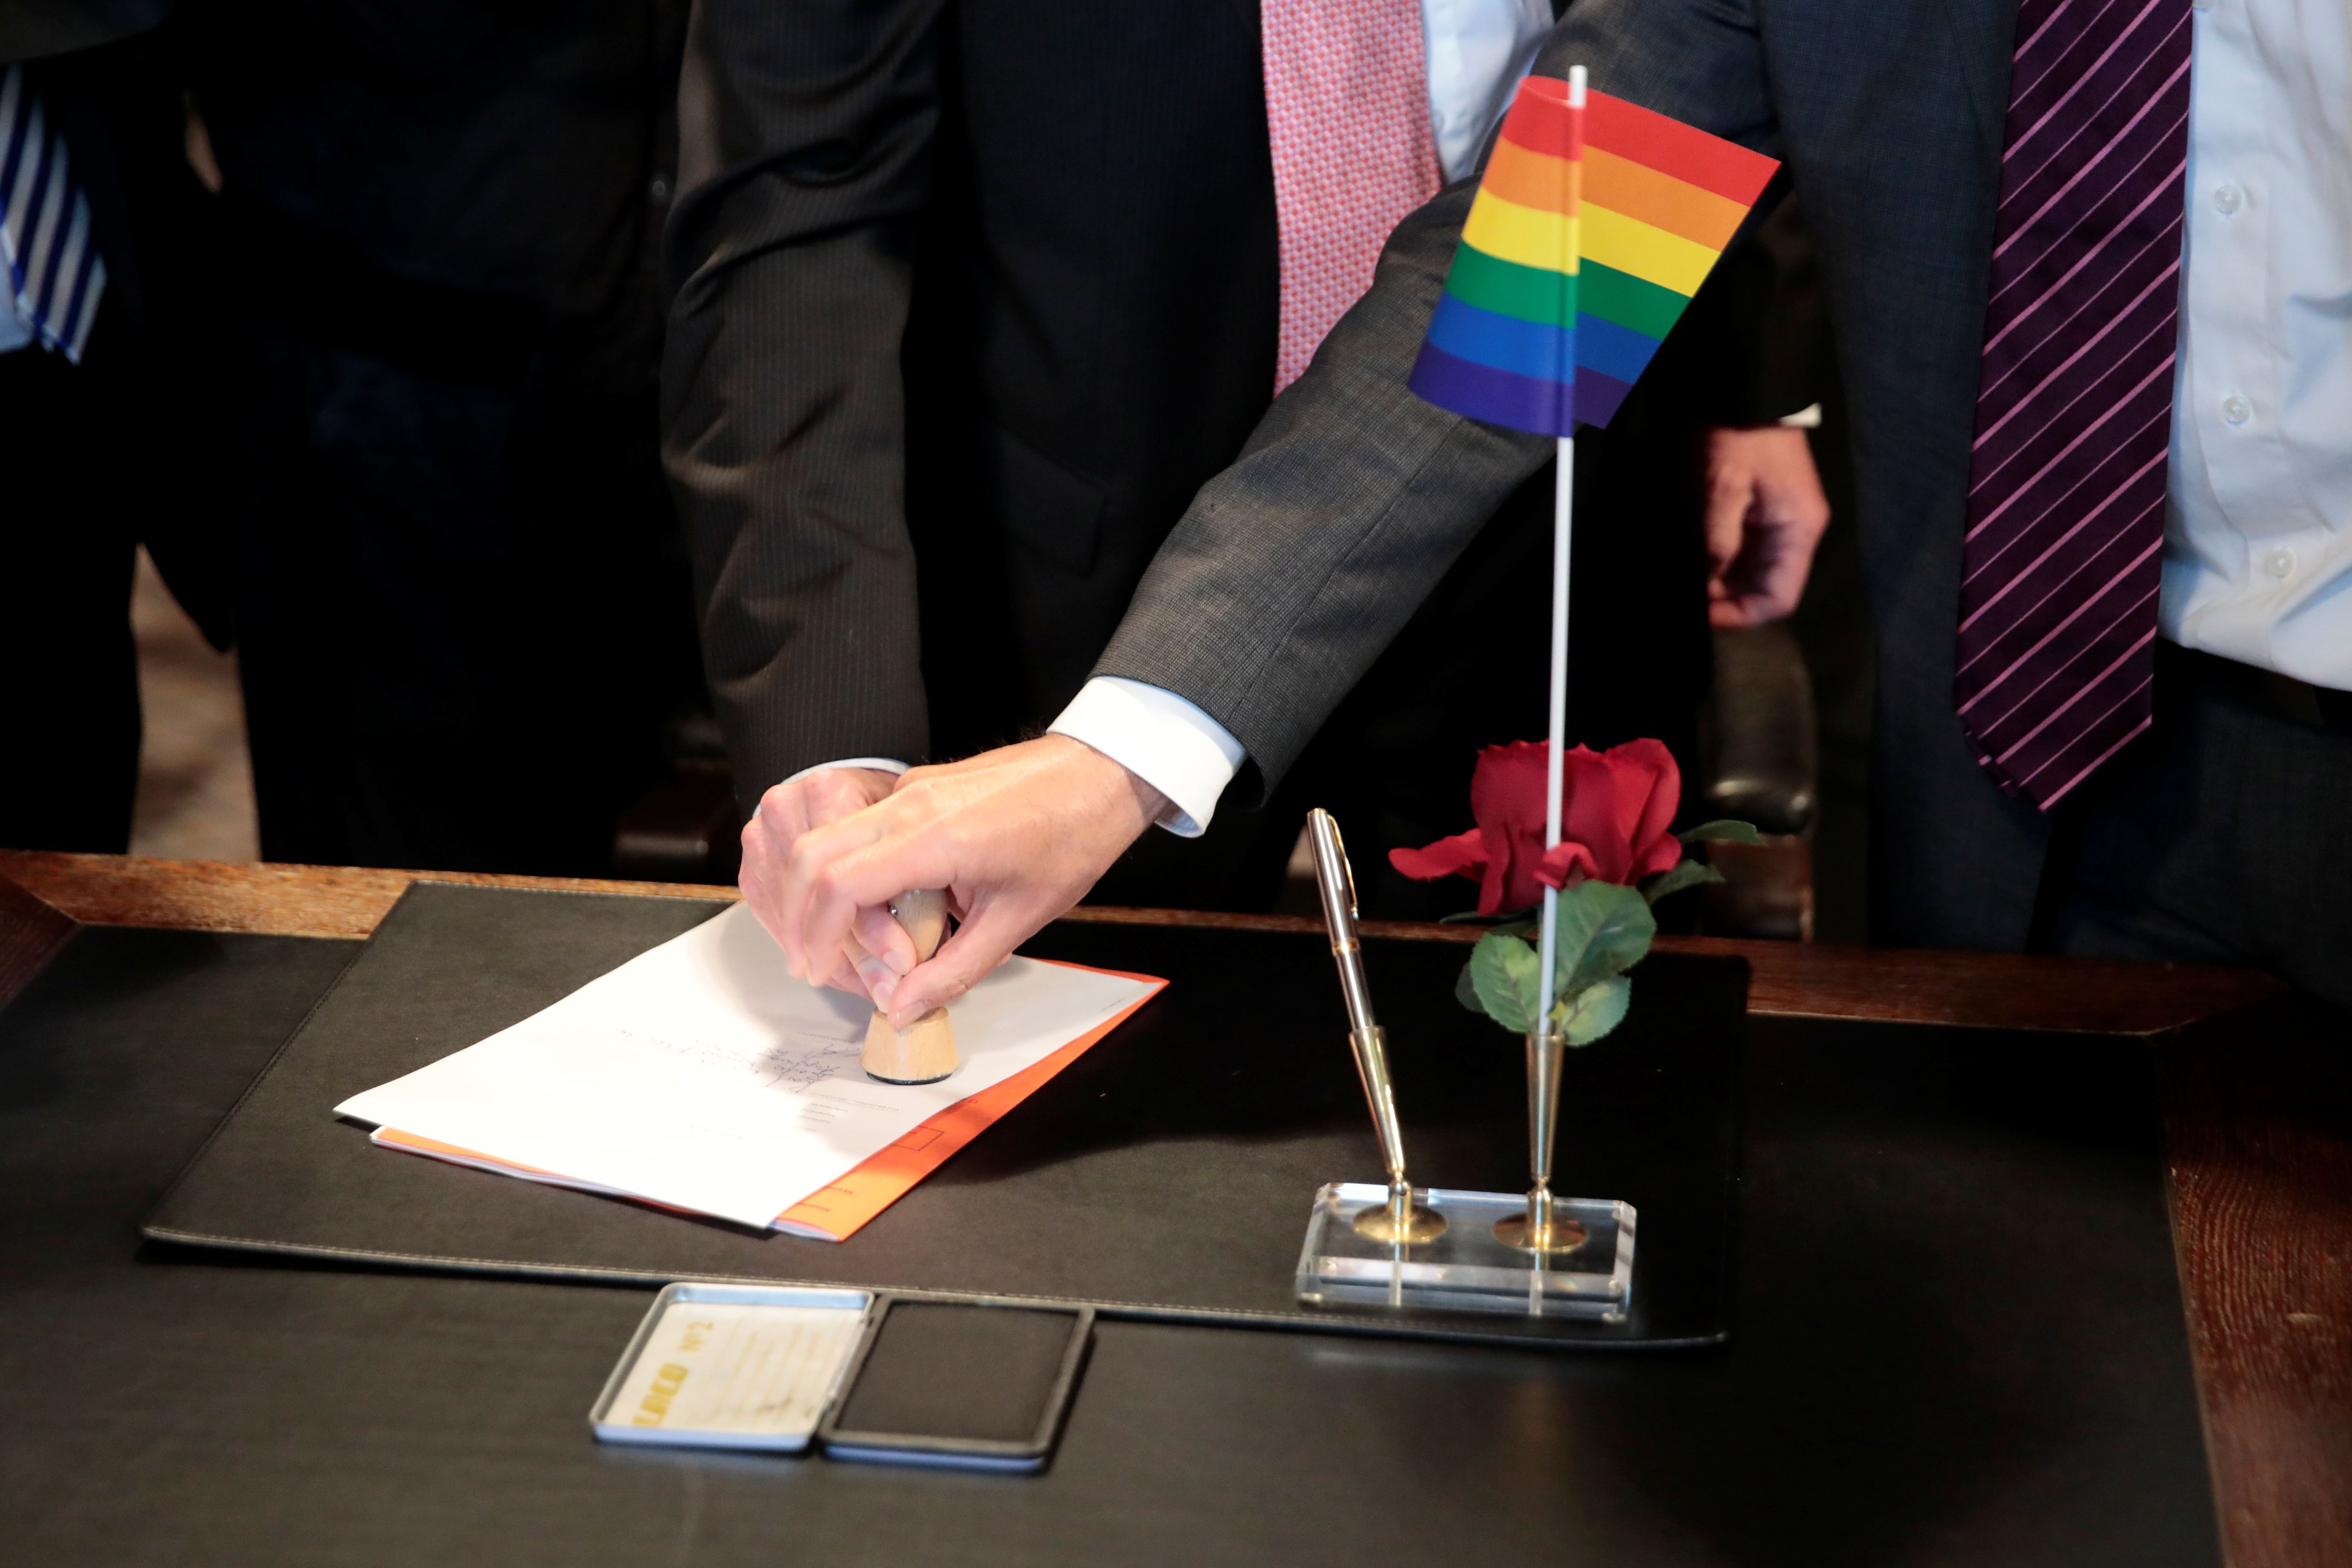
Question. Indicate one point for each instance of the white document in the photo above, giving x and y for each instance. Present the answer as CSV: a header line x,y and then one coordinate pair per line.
x,y
702,1074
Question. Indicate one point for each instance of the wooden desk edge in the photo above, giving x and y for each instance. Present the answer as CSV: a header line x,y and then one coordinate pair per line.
x,y
1984,990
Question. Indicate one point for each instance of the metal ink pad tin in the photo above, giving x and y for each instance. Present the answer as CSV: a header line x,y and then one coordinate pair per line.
x,y
732,1366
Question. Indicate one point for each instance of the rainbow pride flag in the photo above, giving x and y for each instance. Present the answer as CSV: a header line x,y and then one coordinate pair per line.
x,y
1591,230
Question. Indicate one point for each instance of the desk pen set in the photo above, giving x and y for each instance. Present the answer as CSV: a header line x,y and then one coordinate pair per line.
x,y
1440,1248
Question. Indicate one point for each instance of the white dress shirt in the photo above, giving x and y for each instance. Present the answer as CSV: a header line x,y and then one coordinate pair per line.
x,y
2258,532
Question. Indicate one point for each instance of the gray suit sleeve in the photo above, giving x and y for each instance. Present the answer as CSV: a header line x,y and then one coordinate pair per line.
x,y
783,408
1294,569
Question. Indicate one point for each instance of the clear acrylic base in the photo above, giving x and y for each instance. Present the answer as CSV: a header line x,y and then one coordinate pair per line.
x,y
1467,1270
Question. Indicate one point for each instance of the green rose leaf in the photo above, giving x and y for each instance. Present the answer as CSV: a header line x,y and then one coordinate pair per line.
x,y
1596,1010
1503,975
1724,829
1604,930
1689,873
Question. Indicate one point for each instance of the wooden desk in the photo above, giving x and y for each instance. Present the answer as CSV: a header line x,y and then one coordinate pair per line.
x,y
2258,1128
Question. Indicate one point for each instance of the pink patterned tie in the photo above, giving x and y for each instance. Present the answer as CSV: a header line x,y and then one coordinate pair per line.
x,y
2057,643
1346,108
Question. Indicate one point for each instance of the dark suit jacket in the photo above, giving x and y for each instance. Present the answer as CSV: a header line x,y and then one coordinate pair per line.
x,y
989,286
508,162
1295,566
111,82
109,91
34,29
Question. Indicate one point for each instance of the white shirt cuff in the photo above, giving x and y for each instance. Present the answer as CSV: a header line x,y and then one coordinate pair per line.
x,y
1162,739
879,765
1807,418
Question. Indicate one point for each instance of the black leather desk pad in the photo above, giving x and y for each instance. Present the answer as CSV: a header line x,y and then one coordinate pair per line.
x,y
1959,1342
1169,1173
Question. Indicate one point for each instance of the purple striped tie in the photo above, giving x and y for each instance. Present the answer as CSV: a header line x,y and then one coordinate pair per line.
x,y
2057,643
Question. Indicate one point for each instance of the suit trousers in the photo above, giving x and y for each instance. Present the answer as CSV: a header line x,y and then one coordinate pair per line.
x,y
449,603
69,674
2219,837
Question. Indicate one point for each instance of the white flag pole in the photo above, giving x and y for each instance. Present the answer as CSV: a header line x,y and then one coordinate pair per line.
x,y
1562,486
1563,494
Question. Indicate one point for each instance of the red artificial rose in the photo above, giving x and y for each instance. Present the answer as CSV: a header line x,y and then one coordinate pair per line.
x,y
1616,822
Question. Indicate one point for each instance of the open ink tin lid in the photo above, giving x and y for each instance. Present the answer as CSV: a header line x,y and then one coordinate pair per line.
x,y
910,1378
732,1366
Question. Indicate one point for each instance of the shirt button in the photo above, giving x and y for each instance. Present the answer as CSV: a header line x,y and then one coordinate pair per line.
x,y
2279,562
2228,199
660,189
2236,410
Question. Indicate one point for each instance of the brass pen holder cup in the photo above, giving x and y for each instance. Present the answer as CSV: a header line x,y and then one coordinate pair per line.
x,y
1543,1227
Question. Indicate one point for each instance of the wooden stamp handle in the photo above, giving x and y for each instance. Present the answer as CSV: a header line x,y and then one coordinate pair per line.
x,y
924,913
925,1050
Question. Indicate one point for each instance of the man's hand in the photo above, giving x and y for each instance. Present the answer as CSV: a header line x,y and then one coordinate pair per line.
x,y
1765,513
787,812
1016,836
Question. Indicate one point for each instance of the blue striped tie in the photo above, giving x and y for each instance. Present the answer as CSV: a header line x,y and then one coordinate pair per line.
x,y
55,273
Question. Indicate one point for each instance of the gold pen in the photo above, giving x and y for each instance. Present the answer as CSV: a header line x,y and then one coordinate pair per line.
x,y
1398,1220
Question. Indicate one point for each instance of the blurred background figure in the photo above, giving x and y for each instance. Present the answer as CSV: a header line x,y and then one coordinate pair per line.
x,y
460,606
106,298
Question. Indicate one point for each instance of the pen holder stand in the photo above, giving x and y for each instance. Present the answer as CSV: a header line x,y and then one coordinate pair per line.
x,y
1433,1249
1465,1269
1532,1253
